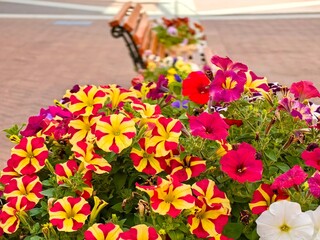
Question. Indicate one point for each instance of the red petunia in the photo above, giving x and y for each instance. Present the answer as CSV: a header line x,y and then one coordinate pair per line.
x,y
304,90
242,165
196,87
312,158
209,126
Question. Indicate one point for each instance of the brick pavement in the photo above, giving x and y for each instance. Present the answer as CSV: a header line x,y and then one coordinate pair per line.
x,y
40,60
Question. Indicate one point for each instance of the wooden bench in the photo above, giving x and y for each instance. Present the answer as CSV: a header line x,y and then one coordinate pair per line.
x,y
133,25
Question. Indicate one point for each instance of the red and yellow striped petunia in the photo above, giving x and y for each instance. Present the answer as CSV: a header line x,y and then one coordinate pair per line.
x,y
99,231
115,132
69,214
29,156
140,232
27,187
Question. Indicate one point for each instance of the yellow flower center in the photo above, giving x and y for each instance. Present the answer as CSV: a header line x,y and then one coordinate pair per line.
x,y
169,198
70,214
229,83
285,228
30,155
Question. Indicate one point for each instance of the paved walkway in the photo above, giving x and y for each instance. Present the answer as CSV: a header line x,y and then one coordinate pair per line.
x,y
41,58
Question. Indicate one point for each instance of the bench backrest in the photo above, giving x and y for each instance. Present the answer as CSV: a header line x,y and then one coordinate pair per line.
x,y
133,24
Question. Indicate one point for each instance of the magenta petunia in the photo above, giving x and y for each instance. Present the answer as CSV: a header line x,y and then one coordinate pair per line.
x,y
242,165
293,177
314,185
226,86
312,158
209,126
304,90
226,64
296,109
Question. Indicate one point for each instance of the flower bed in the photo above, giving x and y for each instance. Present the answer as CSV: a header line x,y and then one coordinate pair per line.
x,y
183,154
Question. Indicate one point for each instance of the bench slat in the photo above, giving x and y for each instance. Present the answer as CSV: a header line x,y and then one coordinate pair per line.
x,y
146,40
141,30
154,42
118,18
133,19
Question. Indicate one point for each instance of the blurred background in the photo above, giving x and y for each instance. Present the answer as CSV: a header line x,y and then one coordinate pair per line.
x,y
47,47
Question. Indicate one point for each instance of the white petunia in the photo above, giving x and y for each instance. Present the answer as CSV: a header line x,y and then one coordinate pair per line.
x,y
284,220
315,216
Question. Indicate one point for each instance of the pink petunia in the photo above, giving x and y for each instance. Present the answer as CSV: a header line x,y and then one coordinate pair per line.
x,y
304,90
209,126
242,165
314,185
226,87
293,177
312,158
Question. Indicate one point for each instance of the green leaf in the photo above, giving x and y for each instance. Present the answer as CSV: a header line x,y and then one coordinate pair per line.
x,y
271,155
48,192
35,211
282,166
46,183
233,230
117,207
176,235
119,180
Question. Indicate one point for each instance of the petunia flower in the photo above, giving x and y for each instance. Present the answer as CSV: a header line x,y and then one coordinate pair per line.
x,y
207,221
255,83
149,163
27,187
99,231
187,168
140,232
312,158
314,185
84,151
69,214
293,177
41,121
115,132
28,157
296,109
196,87
207,191
11,213
226,87
209,126
226,64
169,196
7,174
118,95
160,89
304,90
264,196
242,165
64,171
284,220
315,217
87,101
82,128
164,136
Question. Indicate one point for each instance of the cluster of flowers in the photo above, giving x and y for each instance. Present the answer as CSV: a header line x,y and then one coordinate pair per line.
x,y
178,31
214,155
